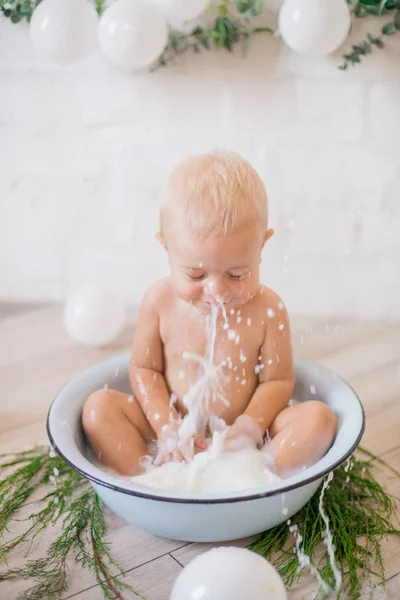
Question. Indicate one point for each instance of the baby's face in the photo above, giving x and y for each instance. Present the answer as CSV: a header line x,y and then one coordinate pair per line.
x,y
216,269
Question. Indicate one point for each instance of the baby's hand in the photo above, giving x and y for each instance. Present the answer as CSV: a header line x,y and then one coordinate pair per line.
x,y
243,429
172,449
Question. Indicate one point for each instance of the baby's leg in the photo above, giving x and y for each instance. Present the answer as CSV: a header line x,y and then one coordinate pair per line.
x,y
116,429
301,435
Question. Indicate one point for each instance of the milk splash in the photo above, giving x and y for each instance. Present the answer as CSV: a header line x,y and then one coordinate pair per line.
x,y
207,389
328,540
217,469
304,559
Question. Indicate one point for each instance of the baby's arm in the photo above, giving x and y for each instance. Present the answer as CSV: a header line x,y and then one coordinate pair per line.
x,y
276,378
146,367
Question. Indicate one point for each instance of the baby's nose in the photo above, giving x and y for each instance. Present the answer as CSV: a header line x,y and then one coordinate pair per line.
x,y
217,287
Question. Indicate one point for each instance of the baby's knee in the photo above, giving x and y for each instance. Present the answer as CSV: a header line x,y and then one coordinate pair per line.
x,y
97,409
322,418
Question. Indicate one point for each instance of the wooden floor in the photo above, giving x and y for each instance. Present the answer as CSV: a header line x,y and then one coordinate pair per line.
x,y
37,359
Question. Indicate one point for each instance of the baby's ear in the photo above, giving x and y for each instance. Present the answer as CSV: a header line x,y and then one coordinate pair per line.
x,y
160,238
268,235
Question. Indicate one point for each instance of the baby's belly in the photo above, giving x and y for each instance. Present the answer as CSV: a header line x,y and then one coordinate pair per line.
x,y
227,400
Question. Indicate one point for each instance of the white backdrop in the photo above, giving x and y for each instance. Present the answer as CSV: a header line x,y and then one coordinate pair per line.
x,y
85,149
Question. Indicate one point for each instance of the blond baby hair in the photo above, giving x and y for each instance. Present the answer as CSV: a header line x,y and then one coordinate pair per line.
x,y
216,194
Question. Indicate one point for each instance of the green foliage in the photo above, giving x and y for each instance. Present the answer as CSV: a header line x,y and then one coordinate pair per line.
x,y
18,10
69,501
233,25
359,510
360,514
99,6
376,8
249,8
225,31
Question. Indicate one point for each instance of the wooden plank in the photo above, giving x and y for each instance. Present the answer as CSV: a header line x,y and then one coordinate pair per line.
x,y
187,553
22,438
314,339
382,429
356,360
130,546
154,581
37,358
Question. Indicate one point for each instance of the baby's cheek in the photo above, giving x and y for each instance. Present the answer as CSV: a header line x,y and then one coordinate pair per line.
x,y
187,291
249,287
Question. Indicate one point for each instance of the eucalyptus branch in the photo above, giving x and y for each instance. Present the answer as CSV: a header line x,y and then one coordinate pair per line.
x,y
225,31
376,8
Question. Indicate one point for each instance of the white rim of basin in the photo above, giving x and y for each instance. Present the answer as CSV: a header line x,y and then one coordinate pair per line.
x,y
65,446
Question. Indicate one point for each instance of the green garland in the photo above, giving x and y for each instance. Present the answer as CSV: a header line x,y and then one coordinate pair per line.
x,y
359,510
230,27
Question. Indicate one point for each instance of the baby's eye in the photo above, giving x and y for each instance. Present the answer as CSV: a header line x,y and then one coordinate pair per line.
x,y
197,278
236,277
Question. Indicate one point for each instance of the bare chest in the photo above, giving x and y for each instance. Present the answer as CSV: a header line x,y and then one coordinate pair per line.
x,y
190,343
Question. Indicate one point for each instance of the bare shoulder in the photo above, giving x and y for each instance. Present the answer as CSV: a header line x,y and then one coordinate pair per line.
x,y
159,295
271,302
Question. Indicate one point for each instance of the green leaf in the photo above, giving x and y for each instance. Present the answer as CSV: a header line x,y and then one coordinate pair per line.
x,y
397,20
389,29
99,6
358,50
174,41
16,18
358,10
223,10
249,8
373,10
242,6
221,32
204,42
379,43
26,7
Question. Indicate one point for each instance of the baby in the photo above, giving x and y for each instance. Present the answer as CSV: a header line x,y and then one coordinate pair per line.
x,y
213,225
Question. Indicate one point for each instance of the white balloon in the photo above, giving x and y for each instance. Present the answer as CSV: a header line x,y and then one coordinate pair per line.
x,y
229,573
182,10
314,26
94,316
64,31
132,33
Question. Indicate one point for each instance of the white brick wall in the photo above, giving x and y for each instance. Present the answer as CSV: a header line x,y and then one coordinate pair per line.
x,y
84,151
